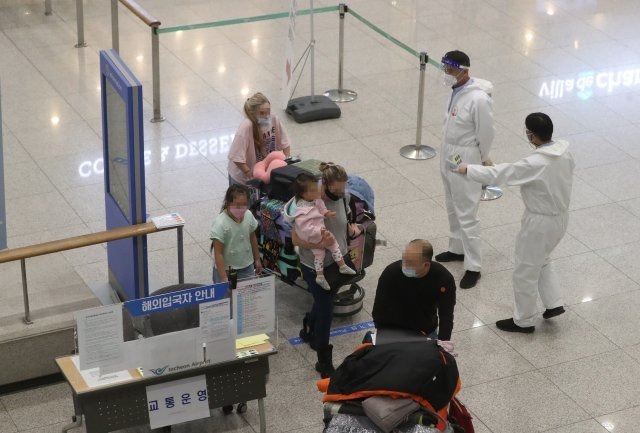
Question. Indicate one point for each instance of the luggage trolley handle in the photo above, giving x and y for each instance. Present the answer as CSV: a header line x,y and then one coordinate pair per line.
x,y
255,187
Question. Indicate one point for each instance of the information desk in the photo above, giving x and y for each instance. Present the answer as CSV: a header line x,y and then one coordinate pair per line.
x,y
113,407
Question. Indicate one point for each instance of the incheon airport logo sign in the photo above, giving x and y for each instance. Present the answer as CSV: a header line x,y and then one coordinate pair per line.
x,y
159,371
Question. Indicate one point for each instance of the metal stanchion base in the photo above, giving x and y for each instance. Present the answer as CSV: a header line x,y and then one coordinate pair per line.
x,y
344,95
311,108
491,193
416,151
82,45
158,120
27,321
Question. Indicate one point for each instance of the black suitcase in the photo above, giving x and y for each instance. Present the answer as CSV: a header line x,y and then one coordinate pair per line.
x,y
282,179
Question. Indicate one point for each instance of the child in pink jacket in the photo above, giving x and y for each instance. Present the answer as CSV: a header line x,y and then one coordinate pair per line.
x,y
307,211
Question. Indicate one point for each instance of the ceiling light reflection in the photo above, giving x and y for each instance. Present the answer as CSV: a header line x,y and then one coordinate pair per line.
x,y
244,91
55,120
587,299
221,69
140,58
528,36
608,425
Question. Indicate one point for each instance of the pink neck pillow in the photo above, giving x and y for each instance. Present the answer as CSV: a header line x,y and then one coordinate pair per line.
x,y
262,169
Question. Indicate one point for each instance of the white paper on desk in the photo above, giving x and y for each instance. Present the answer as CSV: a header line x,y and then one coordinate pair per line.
x,y
216,331
214,320
93,378
254,306
172,352
100,338
177,401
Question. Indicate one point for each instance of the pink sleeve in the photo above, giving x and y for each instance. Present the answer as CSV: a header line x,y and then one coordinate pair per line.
x,y
282,139
321,207
242,141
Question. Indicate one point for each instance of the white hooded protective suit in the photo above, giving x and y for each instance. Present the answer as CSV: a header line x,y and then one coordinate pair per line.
x,y
468,132
545,178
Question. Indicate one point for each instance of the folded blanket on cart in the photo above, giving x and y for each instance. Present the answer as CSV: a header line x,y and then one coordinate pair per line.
x,y
354,407
361,424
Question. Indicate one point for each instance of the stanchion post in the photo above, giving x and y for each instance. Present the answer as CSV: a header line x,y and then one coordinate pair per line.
x,y
340,94
25,293
418,151
47,7
180,255
80,24
155,65
115,36
313,54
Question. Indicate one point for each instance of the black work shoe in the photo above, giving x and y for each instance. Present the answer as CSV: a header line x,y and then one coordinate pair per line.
x,y
448,256
469,280
548,314
510,326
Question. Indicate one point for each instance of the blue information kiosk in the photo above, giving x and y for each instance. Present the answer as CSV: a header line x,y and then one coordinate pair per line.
x,y
122,137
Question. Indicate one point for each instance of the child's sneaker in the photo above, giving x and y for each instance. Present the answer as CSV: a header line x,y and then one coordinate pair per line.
x,y
322,282
346,270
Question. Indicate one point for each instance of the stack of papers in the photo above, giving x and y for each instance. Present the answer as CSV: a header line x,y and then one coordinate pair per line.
x,y
92,377
169,220
254,340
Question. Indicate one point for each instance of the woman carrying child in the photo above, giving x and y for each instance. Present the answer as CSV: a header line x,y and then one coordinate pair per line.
x,y
316,324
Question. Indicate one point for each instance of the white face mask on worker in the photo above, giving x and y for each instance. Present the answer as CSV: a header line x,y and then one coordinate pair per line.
x,y
449,80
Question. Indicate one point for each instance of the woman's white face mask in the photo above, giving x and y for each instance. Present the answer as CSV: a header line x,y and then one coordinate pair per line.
x,y
264,122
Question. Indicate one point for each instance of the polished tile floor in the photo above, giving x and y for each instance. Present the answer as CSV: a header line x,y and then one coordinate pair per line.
x,y
577,60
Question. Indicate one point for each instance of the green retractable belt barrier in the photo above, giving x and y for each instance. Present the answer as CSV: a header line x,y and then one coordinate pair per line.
x,y
245,20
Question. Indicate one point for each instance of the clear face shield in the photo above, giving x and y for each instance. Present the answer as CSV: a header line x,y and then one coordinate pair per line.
x,y
451,72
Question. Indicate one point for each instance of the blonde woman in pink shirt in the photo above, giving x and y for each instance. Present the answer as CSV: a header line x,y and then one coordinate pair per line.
x,y
258,135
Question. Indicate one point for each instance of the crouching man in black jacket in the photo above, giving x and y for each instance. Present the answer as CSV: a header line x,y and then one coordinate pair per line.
x,y
416,294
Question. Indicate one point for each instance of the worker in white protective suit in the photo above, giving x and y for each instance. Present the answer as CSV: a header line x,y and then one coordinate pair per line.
x,y
545,178
468,134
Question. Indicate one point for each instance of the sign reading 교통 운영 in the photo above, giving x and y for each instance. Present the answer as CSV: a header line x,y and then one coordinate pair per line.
x,y
177,401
